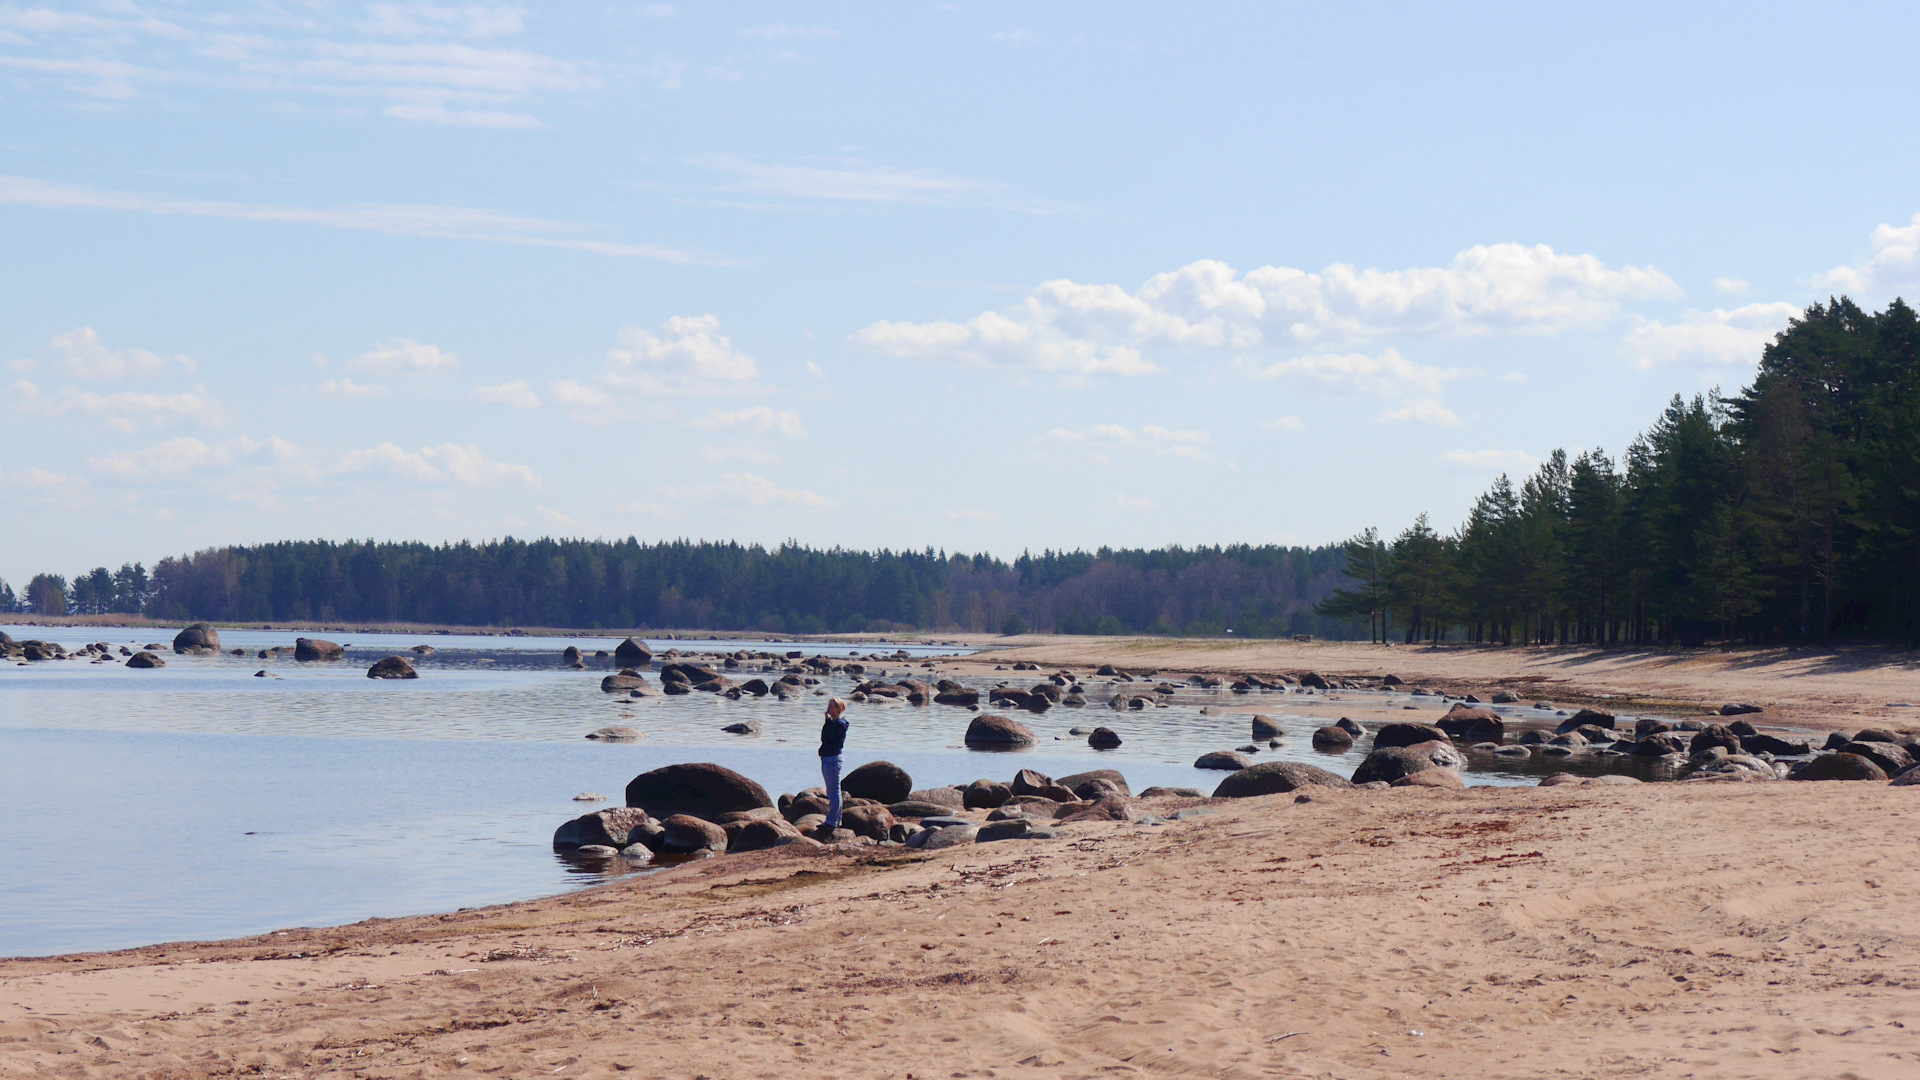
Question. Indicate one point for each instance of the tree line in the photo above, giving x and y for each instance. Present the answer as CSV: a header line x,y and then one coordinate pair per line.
x,y
1788,513
1259,591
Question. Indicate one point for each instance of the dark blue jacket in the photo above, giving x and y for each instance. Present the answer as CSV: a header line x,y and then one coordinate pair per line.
x,y
833,736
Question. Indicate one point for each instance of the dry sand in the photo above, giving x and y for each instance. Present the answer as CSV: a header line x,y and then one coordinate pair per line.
x,y
1748,930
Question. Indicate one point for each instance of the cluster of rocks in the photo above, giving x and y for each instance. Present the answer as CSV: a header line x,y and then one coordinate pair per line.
x,y
703,809
34,651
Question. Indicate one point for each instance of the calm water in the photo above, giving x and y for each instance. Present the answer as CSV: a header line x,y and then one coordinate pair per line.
x,y
202,801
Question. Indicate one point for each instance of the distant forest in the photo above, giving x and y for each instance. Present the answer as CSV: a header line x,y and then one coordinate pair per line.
x,y
1789,513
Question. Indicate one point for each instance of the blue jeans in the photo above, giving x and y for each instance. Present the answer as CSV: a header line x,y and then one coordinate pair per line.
x,y
830,772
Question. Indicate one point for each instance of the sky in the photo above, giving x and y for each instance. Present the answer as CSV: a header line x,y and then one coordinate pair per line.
x,y
978,277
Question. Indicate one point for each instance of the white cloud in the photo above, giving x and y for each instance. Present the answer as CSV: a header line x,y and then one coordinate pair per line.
x,y
1893,264
1422,412
973,515
585,404
776,31
1507,461
1717,338
554,517
32,477
22,366
858,182
1066,326
442,222
1102,441
1130,502
1284,423
447,463
404,356
427,20
816,370
347,388
1731,286
1386,375
87,358
759,420
690,355
516,393
126,411
752,489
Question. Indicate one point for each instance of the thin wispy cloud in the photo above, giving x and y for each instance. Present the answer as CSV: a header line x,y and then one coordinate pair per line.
x,y
858,182
396,219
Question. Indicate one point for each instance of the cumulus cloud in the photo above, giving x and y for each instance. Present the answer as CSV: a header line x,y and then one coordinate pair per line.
x,y
516,393
126,411
1487,461
347,388
448,463
1730,285
86,357
1717,338
1893,264
404,356
1422,412
272,464
1066,326
32,477
1386,375
585,404
688,355
759,420
1102,442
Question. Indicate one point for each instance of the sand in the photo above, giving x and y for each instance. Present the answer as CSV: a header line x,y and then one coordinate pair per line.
x,y
1693,930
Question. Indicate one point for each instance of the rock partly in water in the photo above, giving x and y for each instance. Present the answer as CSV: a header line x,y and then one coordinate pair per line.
x,y
632,653
702,789
199,636
611,827
1222,759
881,781
1392,735
1332,737
989,731
393,667
145,659
1276,777
1390,763
616,733
309,649
1103,738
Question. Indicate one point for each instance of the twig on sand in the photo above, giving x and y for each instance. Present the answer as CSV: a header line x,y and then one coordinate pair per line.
x,y
1288,1035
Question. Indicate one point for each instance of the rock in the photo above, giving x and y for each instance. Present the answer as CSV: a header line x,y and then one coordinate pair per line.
x,y
756,687
1742,728
948,836
1876,735
759,835
1505,697
1266,727
988,731
914,808
1599,717
1157,792
1276,777
589,796
1029,782
144,659
198,636
570,655
613,734
1435,778
744,727
1665,742
952,797
873,822
1222,759
702,789
1910,778
1077,781
1735,766
1596,734
1891,758
393,667
1103,739
1390,763
1739,710
1106,808
881,781
1310,679
424,650
1392,735
595,851
1778,747
610,827
1332,738
1838,767
636,853
1562,779
1714,735
1570,739
632,653
1835,741
985,795
1476,725
957,696
626,682
1647,725
686,833
310,649
1009,829
1514,752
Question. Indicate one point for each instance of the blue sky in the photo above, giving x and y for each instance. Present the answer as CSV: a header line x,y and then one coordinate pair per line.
x,y
984,277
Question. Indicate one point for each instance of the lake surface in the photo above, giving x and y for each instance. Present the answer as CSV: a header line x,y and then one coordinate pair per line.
x,y
202,801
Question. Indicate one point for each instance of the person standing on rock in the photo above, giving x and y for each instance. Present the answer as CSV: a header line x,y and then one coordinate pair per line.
x,y
833,739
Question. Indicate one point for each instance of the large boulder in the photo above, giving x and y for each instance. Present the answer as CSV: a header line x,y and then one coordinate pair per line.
x,y
627,682
1434,778
1598,717
610,827
1714,735
1392,735
1078,780
632,653
760,835
991,732
1390,763
393,667
1104,738
881,781
1473,725
195,637
957,696
985,795
686,833
145,659
1838,767
872,822
702,789
1658,744
1274,778
1773,744
1892,758
1266,727
316,649
1734,767
1332,737
1222,759
1030,782
1105,808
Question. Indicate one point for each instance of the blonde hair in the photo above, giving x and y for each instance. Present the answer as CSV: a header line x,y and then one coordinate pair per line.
x,y
831,702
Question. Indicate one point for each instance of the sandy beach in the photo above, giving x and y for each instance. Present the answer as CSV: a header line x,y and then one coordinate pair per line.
x,y
1703,930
